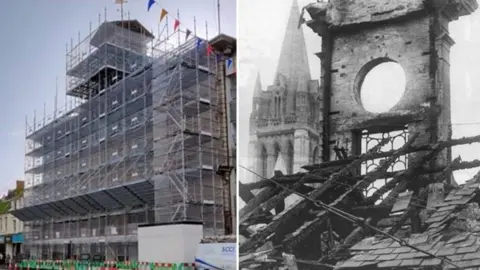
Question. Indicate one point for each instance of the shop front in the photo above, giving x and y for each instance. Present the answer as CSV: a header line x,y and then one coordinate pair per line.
x,y
16,242
12,244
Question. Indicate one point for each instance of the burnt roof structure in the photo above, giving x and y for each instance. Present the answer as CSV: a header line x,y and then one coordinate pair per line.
x,y
293,229
340,205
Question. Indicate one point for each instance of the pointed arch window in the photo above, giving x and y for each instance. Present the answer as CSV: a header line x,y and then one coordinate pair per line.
x,y
278,106
264,162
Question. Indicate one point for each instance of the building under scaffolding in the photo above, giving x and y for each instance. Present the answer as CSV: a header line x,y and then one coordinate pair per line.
x,y
143,146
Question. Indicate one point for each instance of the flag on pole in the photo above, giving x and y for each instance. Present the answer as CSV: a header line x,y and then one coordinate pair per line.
x,y
209,49
150,4
199,42
176,24
163,13
187,34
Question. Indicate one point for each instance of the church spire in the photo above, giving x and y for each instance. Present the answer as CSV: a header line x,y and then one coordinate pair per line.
x,y
258,87
293,62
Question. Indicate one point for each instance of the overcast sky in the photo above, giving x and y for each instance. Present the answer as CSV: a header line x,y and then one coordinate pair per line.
x,y
261,31
32,54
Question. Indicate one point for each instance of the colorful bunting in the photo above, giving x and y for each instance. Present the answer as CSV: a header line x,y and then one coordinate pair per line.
x,y
199,42
176,24
209,50
187,34
150,4
163,13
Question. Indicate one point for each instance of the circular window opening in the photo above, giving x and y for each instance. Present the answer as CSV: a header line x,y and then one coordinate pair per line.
x,y
382,87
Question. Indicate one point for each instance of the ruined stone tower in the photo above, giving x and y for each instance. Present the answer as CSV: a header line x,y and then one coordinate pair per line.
x,y
359,35
284,123
303,123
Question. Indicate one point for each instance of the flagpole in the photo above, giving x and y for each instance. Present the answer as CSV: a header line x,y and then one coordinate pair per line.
x,y
178,28
121,10
218,15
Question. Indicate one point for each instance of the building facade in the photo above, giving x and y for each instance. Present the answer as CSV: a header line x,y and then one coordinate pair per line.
x,y
143,146
11,228
285,117
11,234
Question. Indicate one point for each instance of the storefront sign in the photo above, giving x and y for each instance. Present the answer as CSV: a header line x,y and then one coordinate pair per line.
x,y
17,238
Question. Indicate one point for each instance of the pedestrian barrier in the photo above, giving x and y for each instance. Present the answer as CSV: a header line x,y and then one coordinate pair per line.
x,y
87,265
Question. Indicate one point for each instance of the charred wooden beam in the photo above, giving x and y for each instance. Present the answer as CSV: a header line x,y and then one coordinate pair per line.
x,y
259,237
363,211
271,202
399,186
245,192
361,185
264,217
263,196
412,149
313,178
359,232
408,173
371,210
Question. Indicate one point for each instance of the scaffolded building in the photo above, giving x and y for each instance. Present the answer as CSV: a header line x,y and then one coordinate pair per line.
x,y
143,146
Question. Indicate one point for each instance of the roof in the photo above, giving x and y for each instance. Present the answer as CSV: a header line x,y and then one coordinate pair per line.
x,y
134,26
222,42
106,29
453,232
297,225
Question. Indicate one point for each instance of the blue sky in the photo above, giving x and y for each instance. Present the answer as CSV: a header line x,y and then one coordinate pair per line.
x,y
32,54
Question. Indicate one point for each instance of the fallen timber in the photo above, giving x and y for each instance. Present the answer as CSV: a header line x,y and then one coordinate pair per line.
x,y
318,174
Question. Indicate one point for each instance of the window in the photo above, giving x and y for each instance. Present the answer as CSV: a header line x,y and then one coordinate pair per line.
x,y
396,139
14,225
6,224
278,106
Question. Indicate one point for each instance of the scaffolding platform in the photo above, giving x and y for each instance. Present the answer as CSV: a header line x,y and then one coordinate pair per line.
x,y
114,50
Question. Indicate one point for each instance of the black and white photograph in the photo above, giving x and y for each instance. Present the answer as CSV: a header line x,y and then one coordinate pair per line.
x,y
358,136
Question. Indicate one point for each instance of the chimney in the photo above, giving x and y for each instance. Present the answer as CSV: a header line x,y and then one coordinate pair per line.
x,y
20,185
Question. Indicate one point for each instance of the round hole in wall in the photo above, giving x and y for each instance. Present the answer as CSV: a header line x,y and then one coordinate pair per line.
x,y
382,87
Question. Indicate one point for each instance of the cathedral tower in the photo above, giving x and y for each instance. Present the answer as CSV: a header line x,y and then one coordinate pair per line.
x,y
284,124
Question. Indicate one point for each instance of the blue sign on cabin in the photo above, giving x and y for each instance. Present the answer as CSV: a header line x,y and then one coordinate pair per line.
x,y
17,238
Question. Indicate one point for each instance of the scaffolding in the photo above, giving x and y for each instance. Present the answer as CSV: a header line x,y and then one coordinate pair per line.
x,y
141,146
187,138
